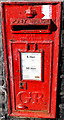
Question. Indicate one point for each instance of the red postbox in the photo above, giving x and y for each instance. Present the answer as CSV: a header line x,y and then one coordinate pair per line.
x,y
31,35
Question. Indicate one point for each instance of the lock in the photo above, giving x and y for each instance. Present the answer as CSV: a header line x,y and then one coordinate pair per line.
x,y
23,85
31,34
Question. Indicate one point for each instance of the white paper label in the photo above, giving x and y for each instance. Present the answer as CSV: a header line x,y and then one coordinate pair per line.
x,y
31,66
47,11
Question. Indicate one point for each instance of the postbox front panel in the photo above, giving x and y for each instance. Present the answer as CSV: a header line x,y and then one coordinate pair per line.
x,y
31,44
32,83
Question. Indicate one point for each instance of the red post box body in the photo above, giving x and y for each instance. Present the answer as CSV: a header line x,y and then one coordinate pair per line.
x,y
31,34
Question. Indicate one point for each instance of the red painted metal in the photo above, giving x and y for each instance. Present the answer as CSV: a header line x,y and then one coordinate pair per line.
x,y
26,31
